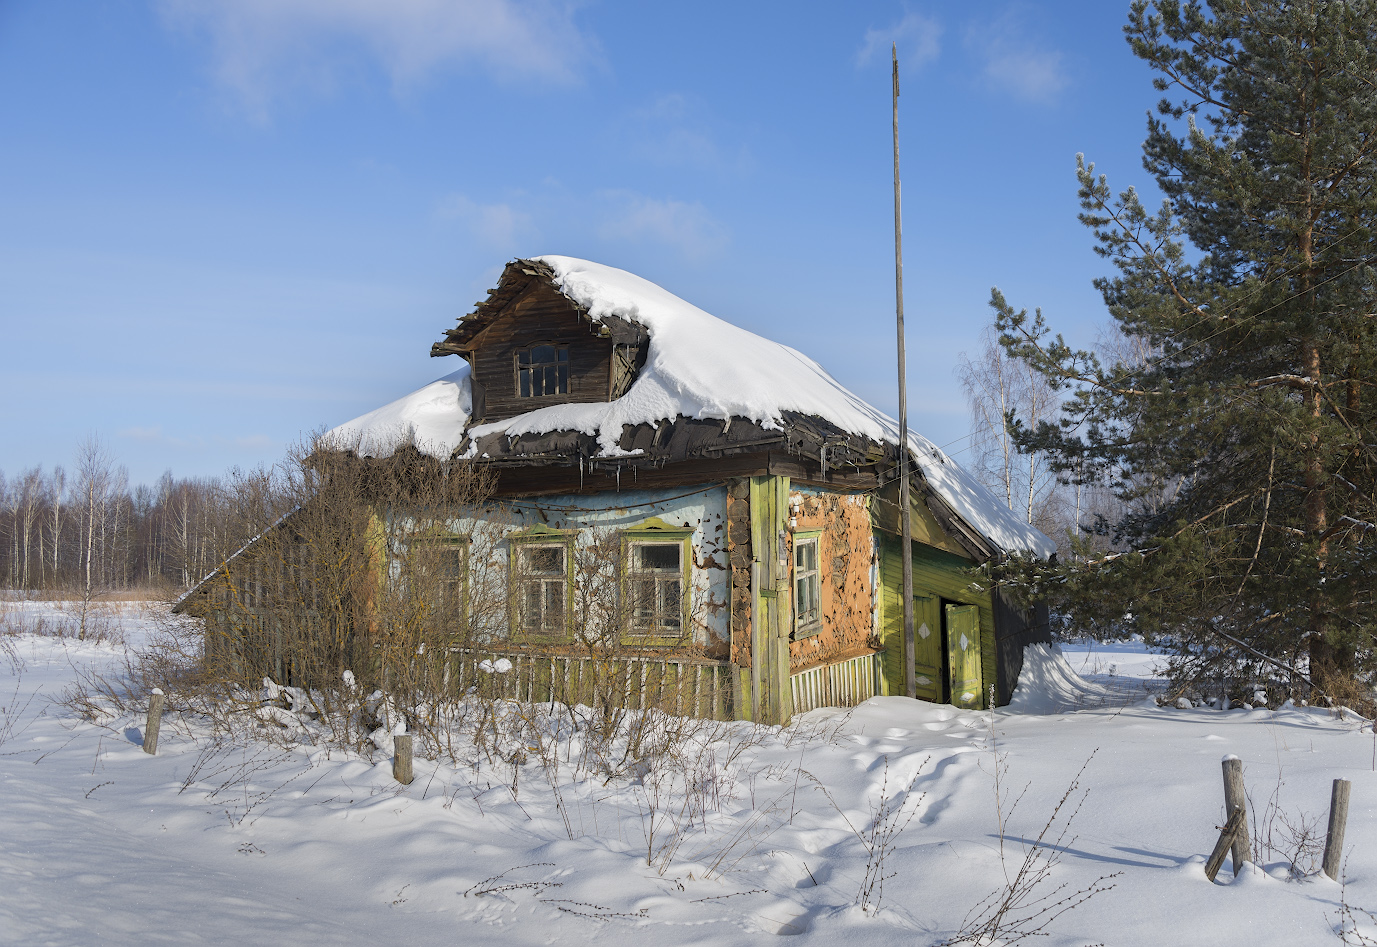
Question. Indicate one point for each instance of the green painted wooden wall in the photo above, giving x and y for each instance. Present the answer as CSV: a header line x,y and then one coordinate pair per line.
x,y
934,573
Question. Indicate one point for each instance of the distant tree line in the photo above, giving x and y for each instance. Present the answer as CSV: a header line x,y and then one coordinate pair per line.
x,y
87,527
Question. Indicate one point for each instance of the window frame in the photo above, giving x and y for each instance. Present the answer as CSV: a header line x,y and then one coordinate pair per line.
x,y
527,350
802,538
656,532
461,545
517,577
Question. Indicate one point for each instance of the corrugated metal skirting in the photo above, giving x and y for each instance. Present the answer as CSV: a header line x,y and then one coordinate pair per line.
x,y
843,684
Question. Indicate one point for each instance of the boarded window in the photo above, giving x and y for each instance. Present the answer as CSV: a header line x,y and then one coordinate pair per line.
x,y
807,588
542,370
655,580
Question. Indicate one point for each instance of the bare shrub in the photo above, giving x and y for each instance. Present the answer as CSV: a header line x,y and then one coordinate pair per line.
x,y
1355,926
1031,899
169,658
1296,836
892,814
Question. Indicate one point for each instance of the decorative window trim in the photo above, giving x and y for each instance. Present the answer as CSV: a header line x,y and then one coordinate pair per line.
x,y
539,535
803,538
561,365
656,531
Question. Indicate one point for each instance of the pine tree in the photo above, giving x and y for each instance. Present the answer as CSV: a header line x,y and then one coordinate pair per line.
x,y
1240,433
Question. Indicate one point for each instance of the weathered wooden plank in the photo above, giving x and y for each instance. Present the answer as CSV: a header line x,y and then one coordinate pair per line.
x,y
401,759
153,722
1338,820
1221,847
1236,799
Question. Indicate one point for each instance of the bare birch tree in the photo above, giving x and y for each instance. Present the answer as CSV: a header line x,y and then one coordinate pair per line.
x,y
93,486
997,388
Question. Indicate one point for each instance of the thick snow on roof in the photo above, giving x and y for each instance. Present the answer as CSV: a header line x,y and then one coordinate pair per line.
x,y
699,367
432,418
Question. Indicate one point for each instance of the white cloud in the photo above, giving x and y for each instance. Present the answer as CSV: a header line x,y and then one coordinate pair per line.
x,y
1015,63
689,228
917,36
263,49
499,227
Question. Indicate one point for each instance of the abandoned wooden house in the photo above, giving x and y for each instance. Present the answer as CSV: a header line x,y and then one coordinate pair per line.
x,y
753,498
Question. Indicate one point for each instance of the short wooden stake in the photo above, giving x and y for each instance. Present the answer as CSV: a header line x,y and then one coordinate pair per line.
x,y
1235,798
154,722
1338,818
401,759
1226,841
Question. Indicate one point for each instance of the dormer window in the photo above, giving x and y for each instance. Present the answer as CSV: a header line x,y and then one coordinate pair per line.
x,y
542,370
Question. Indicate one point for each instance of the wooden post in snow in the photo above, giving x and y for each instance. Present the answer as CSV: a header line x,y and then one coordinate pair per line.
x,y
1236,800
153,723
401,758
1338,819
906,527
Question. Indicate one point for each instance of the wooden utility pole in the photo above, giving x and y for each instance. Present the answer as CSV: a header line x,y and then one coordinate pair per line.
x,y
906,527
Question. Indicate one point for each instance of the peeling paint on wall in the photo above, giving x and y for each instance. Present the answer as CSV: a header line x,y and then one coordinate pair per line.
x,y
704,511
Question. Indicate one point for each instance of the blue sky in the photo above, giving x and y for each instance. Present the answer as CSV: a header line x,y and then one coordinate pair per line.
x,y
227,223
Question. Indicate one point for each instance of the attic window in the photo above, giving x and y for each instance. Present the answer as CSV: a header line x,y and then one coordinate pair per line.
x,y
542,370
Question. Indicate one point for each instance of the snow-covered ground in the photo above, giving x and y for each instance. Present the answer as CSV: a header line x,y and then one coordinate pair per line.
x,y
262,842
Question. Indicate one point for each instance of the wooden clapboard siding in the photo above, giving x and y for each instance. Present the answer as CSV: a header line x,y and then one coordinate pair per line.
x,y
936,573
540,315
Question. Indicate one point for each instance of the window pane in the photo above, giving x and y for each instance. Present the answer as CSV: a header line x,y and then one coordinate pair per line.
x,y
542,370
643,602
554,605
543,560
658,557
670,607
452,562
530,605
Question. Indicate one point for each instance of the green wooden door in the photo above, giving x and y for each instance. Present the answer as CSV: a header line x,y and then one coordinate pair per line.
x,y
927,647
963,654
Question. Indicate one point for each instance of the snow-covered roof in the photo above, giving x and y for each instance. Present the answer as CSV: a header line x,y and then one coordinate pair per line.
x,y
697,366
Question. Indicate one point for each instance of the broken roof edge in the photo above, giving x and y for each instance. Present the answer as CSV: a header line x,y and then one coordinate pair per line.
x,y
516,277
180,605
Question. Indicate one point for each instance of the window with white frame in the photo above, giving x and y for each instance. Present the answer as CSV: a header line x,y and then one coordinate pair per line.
x,y
541,584
807,587
655,584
